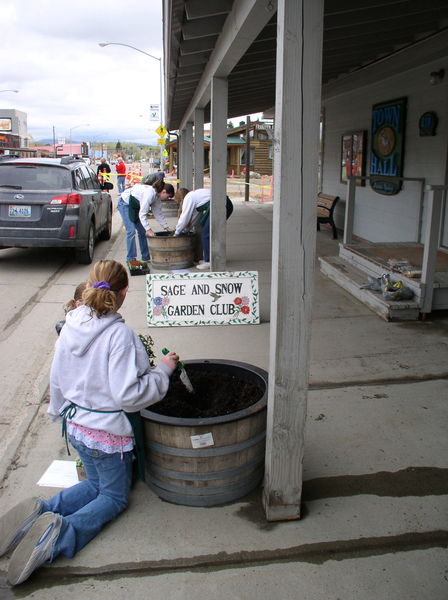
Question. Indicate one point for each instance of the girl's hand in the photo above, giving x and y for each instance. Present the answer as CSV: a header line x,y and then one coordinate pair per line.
x,y
150,233
171,360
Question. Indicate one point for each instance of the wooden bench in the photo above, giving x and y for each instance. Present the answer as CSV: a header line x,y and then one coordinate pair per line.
x,y
325,210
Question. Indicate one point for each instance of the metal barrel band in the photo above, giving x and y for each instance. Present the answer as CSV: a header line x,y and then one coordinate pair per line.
x,y
193,497
207,451
212,475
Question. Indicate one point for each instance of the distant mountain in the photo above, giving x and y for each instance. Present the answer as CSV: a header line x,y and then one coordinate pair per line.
x,y
96,143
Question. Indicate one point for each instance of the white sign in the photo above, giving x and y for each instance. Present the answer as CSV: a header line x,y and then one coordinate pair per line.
x,y
5,124
205,440
154,112
186,299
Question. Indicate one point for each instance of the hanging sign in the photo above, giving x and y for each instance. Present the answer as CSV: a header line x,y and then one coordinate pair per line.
x,y
186,299
154,112
427,124
387,139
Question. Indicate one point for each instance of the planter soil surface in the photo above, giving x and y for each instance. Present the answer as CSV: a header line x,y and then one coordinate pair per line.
x,y
215,394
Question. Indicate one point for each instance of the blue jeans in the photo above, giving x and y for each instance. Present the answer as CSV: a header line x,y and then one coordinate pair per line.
x,y
87,506
205,231
120,183
131,228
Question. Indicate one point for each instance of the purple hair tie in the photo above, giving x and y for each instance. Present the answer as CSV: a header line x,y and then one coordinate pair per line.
x,y
101,285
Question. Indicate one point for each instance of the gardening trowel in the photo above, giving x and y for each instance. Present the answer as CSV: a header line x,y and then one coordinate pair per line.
x,y
183,373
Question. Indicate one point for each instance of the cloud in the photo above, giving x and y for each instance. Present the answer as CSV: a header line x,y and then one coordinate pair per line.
x,y
50,53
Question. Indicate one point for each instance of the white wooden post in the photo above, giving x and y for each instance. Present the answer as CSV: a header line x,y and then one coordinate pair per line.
x,y
431,244
180,156
218,173
296,138
198,148
188,156
349,211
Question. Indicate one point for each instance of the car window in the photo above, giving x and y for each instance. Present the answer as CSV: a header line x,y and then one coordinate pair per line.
x,y
88,180
94,178
34,177
79,179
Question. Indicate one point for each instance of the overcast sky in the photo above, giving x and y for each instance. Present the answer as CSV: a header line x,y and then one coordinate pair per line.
x,y
50,53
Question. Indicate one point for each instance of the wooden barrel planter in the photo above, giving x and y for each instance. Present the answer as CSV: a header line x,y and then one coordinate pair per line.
x,y
225,463
172,252
170,208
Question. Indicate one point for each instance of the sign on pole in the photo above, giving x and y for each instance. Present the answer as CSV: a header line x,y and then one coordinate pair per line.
x,y
154,112
161,141
161,131
189,299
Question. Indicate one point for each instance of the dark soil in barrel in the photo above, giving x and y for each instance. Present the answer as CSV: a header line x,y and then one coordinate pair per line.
x,y
215,394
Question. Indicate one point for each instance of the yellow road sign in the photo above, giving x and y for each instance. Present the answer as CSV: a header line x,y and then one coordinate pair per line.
x,y
161,131
161,141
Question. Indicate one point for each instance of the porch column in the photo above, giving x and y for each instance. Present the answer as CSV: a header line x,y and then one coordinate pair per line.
x,y
297,111
198,148
431,244
349,211
188,156
218,173
180,157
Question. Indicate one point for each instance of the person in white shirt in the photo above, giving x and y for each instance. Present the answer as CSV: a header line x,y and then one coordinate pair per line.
x,y
150,198
196,216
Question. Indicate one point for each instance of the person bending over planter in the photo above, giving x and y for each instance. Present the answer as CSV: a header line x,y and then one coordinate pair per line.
x,y
132,226
195,216
147,197
100,372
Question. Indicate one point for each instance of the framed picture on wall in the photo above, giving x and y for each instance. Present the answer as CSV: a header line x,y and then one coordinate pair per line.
x,y
353,156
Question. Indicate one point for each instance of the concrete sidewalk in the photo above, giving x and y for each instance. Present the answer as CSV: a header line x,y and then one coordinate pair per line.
x,y
375,518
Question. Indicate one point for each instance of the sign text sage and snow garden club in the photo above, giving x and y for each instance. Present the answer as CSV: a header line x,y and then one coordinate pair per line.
x,y
182,299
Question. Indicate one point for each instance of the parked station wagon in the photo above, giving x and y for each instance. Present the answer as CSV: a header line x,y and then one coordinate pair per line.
x,y
53,203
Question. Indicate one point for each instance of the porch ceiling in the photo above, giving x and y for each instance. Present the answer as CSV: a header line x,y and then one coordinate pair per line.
x,y
356,33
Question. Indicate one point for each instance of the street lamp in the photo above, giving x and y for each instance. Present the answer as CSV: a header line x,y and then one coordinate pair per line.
x,y
15,91
76,127
103,44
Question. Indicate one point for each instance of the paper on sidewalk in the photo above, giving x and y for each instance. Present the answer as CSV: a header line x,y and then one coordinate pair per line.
x,y
60,474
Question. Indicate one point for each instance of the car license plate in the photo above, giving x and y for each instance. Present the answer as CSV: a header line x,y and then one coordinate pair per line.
x,y
19,210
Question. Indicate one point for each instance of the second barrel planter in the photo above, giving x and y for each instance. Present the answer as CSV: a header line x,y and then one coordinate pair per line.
x,y
172,252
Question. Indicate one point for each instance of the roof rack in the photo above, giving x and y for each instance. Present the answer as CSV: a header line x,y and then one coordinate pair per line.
x,y
66,160
8,156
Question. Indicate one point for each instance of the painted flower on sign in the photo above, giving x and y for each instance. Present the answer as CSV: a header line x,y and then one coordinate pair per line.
x,y
242,305
159,305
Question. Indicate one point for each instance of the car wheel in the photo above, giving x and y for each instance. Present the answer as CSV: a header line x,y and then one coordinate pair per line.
x,y
106,233
84,255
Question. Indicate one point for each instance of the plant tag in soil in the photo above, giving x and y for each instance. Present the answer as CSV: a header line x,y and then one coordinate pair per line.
x,y
202,441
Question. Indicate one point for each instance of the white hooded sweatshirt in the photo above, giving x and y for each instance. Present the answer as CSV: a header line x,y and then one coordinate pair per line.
x,y
101,364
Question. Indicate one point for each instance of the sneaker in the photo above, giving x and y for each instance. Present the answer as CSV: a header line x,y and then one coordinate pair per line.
x,y
203,266
35,549
17,522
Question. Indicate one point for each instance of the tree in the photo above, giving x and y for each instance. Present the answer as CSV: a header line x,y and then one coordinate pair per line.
x,y
118,146
230,125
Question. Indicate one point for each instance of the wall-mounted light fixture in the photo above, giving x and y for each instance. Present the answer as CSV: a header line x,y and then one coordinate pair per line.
x,y
436,77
